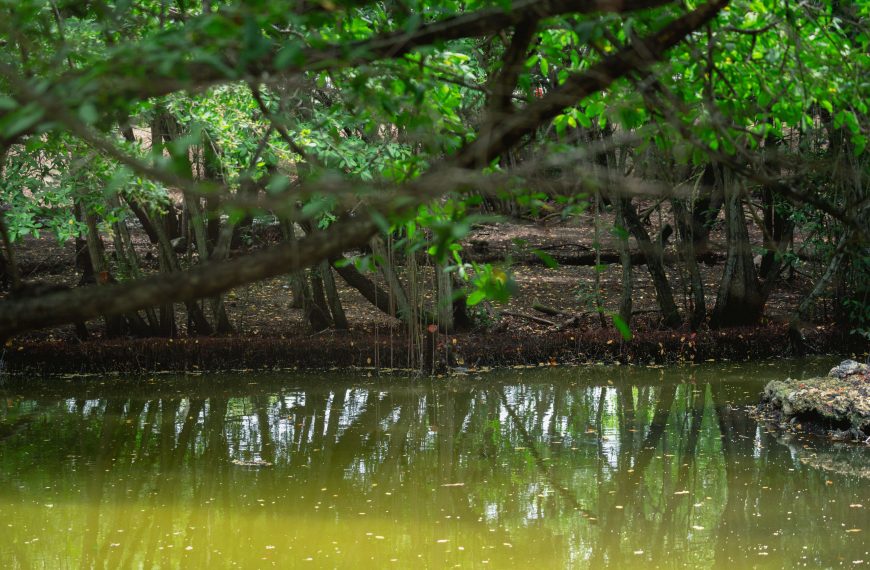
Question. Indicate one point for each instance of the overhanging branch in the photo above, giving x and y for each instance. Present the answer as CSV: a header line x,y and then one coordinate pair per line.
x,y
206,280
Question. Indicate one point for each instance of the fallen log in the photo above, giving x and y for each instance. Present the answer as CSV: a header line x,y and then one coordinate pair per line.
x,y
532,318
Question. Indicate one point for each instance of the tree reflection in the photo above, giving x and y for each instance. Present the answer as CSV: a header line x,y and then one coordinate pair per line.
x,y
610,472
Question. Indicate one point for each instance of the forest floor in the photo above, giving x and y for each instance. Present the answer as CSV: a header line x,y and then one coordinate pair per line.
x,y
269,332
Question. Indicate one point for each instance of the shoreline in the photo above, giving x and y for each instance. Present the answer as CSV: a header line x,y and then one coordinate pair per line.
x,y
358,349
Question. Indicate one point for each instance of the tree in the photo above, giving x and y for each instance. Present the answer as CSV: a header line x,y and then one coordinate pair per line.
x,y
354,119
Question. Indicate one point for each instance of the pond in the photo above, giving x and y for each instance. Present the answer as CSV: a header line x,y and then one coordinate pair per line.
x,y
527,467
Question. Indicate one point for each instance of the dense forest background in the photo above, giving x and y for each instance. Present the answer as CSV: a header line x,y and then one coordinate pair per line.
x,y
697,160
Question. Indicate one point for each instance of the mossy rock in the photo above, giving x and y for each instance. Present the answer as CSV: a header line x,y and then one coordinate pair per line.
x,y
836,402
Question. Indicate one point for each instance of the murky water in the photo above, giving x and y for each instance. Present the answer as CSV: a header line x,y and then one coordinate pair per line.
x,y
544,468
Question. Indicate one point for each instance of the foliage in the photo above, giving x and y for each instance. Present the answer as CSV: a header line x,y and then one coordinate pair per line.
x,y
339,111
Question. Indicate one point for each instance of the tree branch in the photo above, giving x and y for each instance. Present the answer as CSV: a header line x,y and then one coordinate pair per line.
x,y
154,79
204,280
638,56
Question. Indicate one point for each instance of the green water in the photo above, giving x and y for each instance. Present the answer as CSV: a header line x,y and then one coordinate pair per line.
x,y
523,468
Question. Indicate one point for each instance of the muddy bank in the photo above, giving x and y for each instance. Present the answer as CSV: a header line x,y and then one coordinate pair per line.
x,y
836,405
360,349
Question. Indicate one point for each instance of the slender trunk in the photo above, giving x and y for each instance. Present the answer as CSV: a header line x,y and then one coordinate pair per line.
x,y
199,324
143,218
826,278
197,224
309,286
115,324
625,301
706,209
664,295
82,255
318,294
686,229
212,170
398,297
8,265
11,265
317,315
168,326
296,285
368,288
596,243
444,297
338,316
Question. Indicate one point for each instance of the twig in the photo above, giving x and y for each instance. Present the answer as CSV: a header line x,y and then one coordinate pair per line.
x,y
538,320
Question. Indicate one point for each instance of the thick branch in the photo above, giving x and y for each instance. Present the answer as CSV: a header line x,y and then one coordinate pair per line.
x,y
638,56
512,65
204,280
153,80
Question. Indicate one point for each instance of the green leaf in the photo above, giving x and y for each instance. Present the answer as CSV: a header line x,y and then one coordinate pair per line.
x,y
7,103
622,327
859,142
619,232
546,258
88,113
475,297
20,120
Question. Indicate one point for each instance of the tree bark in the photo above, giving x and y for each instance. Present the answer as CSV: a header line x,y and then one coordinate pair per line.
x,y
739,300
686,229
625,301
664,295
368,288
444,297
332,298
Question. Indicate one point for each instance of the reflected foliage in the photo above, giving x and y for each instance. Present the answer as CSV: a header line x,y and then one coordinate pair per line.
x,y
607,467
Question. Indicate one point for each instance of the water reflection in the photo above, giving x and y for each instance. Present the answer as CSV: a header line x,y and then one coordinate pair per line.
x,y
601,467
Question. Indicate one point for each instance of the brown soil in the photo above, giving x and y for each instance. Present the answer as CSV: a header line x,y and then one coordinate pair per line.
x,y
270,333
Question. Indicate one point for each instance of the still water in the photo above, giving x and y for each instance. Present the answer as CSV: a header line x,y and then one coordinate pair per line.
x,y
524,468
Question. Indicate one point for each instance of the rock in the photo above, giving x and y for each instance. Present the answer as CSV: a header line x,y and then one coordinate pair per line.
x,y
848,368
837,404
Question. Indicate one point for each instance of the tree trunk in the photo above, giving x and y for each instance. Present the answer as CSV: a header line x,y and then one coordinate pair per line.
x,y
625,301
338,316
197,223
740,300
82,254
778,232
11,274
399,299
368,288
196,318
114,323
686,229
826,278
316,314
444,297
211,168
706,209
664,295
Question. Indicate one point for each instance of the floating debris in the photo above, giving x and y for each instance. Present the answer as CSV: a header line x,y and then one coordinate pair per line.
x,y
251,463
